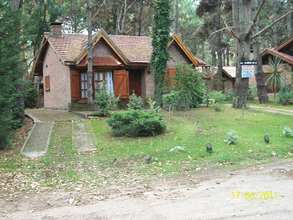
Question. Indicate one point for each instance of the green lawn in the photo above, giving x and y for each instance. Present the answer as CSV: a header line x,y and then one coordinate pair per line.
x,y
121,159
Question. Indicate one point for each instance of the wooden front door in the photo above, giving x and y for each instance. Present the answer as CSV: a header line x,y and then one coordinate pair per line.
x,y
121,84
135,82
75,85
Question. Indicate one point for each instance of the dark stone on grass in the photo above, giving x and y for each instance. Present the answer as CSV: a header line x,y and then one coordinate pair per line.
x,y
147,159
266,138
209,148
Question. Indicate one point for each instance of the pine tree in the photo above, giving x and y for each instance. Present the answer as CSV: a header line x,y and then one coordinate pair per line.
x,y
160,36
11,69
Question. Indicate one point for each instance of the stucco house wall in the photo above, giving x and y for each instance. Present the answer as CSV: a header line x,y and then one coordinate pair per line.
x,y
59,96
175,57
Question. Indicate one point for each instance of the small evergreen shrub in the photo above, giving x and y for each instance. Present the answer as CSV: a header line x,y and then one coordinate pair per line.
x,y
136,123
218,96
30,95
287,132
218,107
170,100
135,102
105,102
285,95
231,138
189,86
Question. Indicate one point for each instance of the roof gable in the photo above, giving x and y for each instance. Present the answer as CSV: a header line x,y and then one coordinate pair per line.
x,y
194,60
102,35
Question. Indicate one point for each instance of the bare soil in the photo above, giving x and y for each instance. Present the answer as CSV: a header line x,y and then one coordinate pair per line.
x,y
207,195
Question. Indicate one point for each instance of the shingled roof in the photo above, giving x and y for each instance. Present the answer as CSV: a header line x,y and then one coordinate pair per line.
x,y
135,49
279,52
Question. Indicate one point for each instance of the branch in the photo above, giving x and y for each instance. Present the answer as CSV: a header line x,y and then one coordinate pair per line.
x,y
271,24
255,17
230,31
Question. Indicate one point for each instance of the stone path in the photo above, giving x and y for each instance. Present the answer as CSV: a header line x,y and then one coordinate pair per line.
x,y
83,139
272,110
37,142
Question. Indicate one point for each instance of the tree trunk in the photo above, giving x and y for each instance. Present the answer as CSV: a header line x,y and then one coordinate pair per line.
x,y
90,55
290,23
140,17
241,84
260,77
242,18
176,16
228,56
219,76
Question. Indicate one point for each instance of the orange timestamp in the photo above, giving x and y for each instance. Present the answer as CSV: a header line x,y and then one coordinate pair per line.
x,y
265,195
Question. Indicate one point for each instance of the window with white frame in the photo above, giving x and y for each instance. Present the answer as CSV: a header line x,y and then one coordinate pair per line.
x,y
83,85
104,79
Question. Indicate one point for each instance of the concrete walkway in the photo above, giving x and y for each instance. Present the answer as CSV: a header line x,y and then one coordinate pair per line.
x,y
83,139
272,110
37,142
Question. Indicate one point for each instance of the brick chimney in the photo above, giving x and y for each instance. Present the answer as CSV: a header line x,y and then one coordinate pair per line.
x,y
56,28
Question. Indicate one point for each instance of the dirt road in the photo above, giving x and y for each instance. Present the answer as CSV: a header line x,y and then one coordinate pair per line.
x,y
264,192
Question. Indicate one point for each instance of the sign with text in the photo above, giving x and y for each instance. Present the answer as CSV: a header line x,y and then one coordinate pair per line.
x,y
248,68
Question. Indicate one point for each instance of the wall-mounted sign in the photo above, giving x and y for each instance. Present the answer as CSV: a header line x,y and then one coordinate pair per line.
x,y
248,68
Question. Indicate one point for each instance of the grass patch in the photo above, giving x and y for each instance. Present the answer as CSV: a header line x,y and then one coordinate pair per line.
x,y
116,159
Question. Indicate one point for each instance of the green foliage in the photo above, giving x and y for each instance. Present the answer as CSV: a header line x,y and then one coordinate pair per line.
x,y
160,40
285,95
218,107
231,138
252,93
136,123
30,94
276,79
135,102
287,132
105,102
217,96
170,100
153,106
189,86
11,70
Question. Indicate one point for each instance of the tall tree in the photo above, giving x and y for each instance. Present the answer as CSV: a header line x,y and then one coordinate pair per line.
x,y
11,69
90,54
160,39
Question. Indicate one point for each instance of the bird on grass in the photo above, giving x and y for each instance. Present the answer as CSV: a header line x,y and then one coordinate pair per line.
x,y
266,138
209,148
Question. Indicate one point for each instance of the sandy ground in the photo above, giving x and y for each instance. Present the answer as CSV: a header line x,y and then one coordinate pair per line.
x,y
263,192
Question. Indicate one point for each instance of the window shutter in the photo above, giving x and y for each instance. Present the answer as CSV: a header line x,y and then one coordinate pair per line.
x,y
170,77
121,84
47,83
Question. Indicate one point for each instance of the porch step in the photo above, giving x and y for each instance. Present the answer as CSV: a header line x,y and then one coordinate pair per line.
x,y
78,107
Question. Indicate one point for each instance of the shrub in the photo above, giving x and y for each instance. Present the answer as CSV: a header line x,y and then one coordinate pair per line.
x,y
287,132
135,102
217,107
136,123
105,102
252,93
170,100
189,86
285,95
218,96
231,137
30,94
